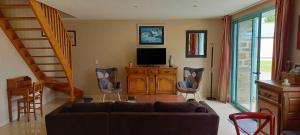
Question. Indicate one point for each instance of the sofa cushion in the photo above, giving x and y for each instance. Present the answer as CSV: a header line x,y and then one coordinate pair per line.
x,y
179,107
132,107
90,107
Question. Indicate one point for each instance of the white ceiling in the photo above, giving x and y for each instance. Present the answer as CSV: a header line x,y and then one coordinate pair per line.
x,y
149,9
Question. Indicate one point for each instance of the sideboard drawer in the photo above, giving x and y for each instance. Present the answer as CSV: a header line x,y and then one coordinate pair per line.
x,y
136,71
152,71
167,71
269,95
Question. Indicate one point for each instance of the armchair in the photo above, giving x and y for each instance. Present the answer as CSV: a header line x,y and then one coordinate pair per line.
x,y
192,78
107,82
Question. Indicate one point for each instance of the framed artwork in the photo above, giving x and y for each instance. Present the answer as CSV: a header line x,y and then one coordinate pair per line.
x,y
298,44
71,34
151,35
72,37
196,44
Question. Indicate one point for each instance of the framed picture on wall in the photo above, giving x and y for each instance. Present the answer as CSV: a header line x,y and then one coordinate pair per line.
x,y
71,34
72,37
196,44
151,35
298,44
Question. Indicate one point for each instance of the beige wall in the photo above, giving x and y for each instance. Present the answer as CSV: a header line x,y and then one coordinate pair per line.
x,y
114,43
294,52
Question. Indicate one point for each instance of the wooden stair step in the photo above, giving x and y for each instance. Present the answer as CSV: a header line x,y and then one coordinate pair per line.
x,y
62,84
17,18
77,92
7,6
56,77
32,48
33,38
43,56
48,63
64,88
50,82
26,29
53,70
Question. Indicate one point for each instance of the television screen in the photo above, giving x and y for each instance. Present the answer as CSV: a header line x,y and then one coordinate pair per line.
x,y
151,56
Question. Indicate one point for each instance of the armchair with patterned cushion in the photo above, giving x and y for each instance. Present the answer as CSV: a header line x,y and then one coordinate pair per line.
x,y
107,82
192,78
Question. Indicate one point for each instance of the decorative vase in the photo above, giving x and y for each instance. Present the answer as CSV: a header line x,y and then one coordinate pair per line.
x,y
170,61
130,64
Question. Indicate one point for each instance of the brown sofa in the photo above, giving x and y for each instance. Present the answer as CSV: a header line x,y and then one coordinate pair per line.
x,y
122,118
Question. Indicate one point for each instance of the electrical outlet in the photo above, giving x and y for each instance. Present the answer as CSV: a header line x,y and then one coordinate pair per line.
x,y
96,61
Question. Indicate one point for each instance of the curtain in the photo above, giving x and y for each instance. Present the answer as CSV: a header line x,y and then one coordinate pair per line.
x,y
224,72
281,37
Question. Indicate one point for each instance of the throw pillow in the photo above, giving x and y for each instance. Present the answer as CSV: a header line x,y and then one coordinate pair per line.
x,y
105,84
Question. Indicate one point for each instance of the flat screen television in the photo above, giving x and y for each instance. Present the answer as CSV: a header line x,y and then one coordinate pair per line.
x,y
151,56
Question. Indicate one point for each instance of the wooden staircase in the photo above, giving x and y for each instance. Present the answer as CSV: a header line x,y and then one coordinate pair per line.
x,y
49,56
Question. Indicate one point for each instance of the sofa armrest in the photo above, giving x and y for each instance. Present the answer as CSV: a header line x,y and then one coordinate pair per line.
x,y
209,109
60,108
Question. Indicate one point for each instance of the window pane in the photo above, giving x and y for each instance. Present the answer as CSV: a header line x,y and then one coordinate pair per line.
x,y
268,24
266,47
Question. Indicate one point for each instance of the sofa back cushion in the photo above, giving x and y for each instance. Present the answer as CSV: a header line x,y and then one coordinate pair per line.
x,y
179,107
90,107
132,107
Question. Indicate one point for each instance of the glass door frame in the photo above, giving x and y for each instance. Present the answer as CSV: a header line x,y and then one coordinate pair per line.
x,y
234,56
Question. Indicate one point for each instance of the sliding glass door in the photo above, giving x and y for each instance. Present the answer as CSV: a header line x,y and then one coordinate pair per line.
x,y
245,68
245,64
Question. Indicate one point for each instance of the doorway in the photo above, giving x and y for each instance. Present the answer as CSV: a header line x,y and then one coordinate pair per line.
x,y
252,47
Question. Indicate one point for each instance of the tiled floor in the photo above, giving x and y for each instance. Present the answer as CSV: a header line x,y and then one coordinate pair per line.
x,y
37,127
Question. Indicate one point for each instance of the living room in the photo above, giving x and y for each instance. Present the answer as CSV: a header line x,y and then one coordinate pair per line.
x,y
107,34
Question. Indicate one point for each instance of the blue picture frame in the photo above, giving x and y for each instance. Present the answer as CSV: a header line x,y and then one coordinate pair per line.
x,y
151,35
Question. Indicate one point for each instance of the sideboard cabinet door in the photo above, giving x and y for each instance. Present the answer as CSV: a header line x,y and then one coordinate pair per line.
x,y
165,84
137,84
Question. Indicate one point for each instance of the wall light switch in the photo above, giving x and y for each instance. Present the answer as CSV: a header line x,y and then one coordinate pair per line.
x,y
96,62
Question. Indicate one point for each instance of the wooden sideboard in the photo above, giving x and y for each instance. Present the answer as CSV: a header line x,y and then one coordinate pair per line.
x,y
283,102
151,80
